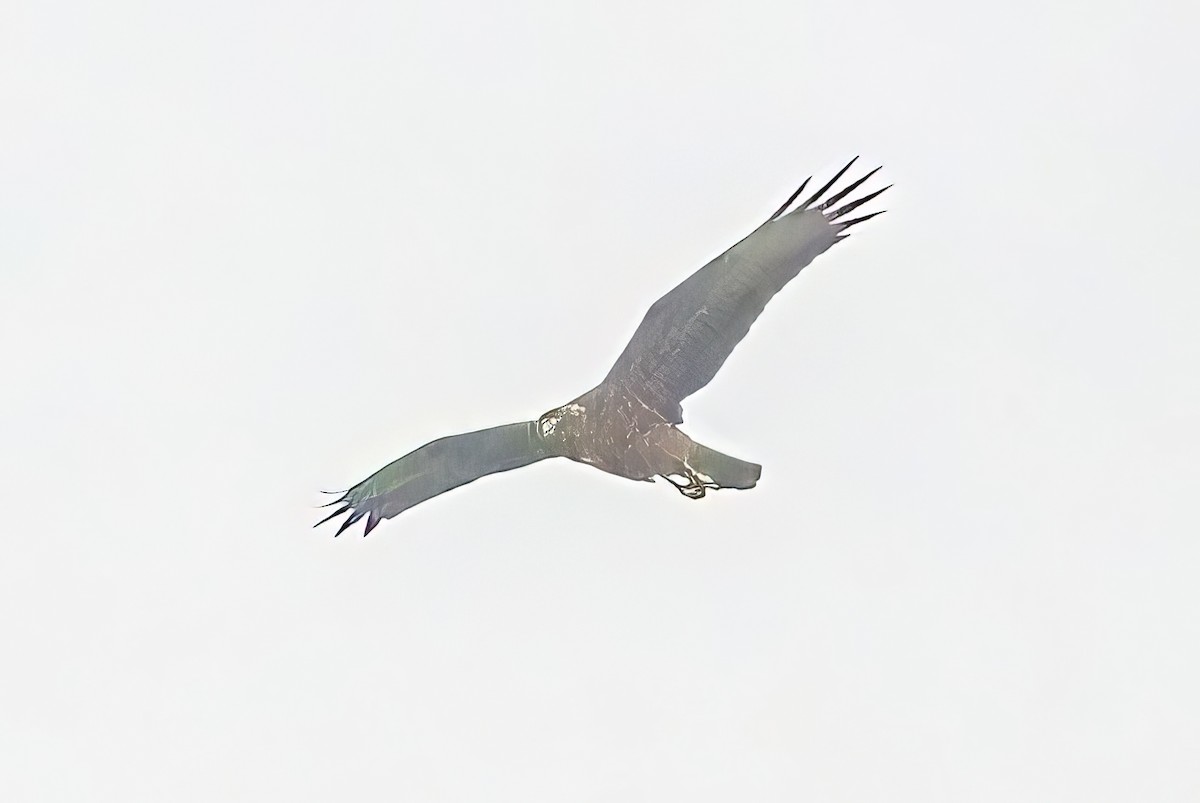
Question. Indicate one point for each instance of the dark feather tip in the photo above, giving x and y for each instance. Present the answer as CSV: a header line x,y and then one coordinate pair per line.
x,y
828,184
850,223
791,198
830,202
850,207
332,515
353,517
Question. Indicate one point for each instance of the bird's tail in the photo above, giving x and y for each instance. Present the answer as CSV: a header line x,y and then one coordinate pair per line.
x,y
723,470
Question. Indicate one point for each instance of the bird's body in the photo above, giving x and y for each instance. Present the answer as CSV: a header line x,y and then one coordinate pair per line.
x,y
620,434
628,424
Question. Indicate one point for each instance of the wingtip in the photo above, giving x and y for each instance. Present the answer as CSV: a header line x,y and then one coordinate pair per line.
x,y
816,195
850,207
345,525
332,515
853,186
857,220
791,198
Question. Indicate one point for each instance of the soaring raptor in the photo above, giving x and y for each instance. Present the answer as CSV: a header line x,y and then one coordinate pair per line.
x,y
628,424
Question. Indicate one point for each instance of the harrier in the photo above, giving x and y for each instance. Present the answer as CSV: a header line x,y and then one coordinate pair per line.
x,y
628,424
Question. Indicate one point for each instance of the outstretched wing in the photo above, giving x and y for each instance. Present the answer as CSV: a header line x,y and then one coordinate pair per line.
x,y
436,468
688,333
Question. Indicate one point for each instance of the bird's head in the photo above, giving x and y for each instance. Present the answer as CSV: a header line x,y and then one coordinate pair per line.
x,y
561,422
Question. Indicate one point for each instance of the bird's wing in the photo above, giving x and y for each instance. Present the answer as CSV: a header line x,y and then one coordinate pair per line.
x,y
688,333
436,468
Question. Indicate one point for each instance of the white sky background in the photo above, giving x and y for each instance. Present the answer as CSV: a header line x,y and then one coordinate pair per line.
x,y
251,250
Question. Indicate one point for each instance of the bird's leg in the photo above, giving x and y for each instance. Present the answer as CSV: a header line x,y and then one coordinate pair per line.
x,y
693,468
693,487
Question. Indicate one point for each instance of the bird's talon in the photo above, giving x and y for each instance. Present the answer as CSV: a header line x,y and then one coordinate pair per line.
x,y
693,487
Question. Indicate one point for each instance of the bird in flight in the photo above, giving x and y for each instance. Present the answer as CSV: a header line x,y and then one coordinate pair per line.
x,y
628,425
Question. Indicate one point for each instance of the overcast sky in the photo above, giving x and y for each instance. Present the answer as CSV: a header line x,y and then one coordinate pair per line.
x,y
253,250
